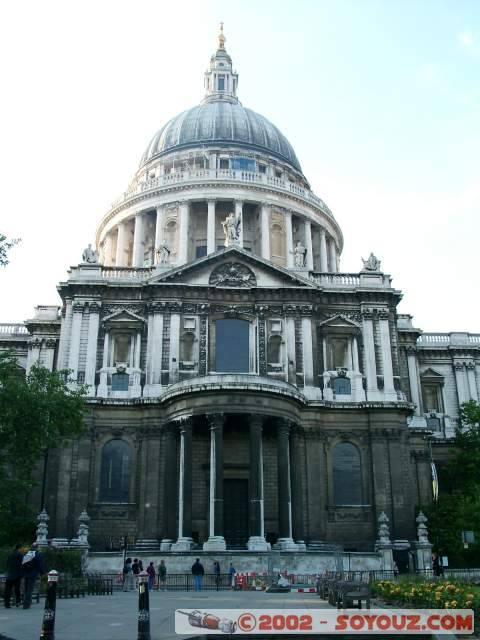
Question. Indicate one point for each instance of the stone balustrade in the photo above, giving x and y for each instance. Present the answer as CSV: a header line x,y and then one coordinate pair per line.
x,y
448,339
13,329
350,280
204,175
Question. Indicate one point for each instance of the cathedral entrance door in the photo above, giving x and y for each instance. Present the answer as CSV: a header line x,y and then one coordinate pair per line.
x,y
235,513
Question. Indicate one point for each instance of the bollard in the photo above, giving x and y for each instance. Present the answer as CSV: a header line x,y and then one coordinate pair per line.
x,y
143,607
48,624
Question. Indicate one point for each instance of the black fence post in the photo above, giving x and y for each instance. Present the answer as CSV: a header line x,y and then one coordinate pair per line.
x,y
143,607
48,623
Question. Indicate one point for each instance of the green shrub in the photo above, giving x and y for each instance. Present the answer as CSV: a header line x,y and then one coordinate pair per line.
x,y
62,560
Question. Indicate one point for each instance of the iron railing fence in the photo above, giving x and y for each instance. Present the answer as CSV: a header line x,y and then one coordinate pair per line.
x,y
173,582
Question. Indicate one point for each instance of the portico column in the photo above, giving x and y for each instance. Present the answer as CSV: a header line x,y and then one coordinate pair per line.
x,y
138,241
285,540
216,541
239,216
120,257
356,366
289,238
308,246
107,250
388,386
184,541
413,379
91,363
256,541
370,364
49,359
33,354
265,226
307,351
323,252
102,390
472,383
174,347
184,223
333,255
159,231
169,489
296,468
75,340
211,204
462,392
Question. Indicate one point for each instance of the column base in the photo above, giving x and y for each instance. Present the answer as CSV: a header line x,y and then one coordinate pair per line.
x,y
215,543
182,544
258,543
301,545
286,544
166,544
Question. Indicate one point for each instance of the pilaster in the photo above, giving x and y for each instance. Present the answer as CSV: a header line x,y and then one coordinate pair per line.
x,y
211,227
323,252
138,240
91,362
265,230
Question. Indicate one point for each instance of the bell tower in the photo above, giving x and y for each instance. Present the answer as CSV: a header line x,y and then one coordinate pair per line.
x,y
220,79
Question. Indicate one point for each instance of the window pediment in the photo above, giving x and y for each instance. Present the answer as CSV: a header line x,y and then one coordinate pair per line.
x,y
123,319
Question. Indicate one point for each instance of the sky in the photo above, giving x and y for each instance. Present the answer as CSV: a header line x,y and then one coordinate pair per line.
x,y
379,98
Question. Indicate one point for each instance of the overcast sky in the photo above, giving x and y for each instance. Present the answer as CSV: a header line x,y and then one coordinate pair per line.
x,y
379,98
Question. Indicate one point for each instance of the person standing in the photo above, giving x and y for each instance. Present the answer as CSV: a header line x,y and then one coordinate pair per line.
x,y
231,575
151,576
162,575
437,565
136,571
198,572
128,575
13,576
32,567
216,573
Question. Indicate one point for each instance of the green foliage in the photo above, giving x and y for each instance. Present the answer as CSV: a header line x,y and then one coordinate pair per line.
x,y
37,412
459,510
5,245
62,560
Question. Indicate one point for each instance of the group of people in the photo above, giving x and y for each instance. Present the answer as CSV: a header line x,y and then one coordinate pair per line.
x,y
26,567
198,572
131,571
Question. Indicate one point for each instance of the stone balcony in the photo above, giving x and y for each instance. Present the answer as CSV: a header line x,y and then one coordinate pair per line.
x,y
445,340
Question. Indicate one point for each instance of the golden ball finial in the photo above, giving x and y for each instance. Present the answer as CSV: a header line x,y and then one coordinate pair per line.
x,y
221,37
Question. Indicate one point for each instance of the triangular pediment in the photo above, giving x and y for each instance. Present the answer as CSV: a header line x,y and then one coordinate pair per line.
x,y
339,322
431,373
123,317
232,268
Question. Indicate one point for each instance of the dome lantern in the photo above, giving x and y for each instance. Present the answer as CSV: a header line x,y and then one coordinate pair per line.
x,y
220,79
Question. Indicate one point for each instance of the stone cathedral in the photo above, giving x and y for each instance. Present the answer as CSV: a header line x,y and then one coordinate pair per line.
x,y
244,392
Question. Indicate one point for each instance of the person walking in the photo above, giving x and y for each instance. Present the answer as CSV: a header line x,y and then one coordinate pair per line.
x,y
151,576
136,571
32,567
216,573
13,576
231,575
198,572
437,565
128,575
162,576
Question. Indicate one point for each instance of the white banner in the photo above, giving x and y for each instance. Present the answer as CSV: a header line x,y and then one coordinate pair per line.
x,y
304,621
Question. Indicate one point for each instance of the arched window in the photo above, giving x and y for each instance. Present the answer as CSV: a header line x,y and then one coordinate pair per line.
x,y
274,350
115,471
347,477
342,386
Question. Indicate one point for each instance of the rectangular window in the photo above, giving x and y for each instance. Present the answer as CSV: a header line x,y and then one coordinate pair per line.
x,y
221,83
244,164
200,251
278,174
262,168
120,381
232,346
224,163
432,397
337,353
189,323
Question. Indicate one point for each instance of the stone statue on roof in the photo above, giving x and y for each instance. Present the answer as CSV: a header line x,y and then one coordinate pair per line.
x,y
372,263
231,229
89,255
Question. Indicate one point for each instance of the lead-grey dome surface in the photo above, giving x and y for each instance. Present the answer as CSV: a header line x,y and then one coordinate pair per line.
x,y
221,122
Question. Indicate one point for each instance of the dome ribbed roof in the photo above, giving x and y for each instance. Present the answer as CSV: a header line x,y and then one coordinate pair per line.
x,y
221,122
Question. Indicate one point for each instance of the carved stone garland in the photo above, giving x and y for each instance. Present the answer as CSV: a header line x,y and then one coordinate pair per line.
x,y
233,274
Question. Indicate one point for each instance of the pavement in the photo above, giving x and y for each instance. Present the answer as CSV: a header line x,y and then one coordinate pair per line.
x,y
115,617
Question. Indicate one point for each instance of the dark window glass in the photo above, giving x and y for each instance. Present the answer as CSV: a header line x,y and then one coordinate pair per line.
x,y
200,251
262,168
434,424
342,386
120,382
224,163
274,349
432,397
221,83
232,346
245,164
115,472
347,485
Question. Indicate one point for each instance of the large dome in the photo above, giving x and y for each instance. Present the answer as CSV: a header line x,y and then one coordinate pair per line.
x,y
221,122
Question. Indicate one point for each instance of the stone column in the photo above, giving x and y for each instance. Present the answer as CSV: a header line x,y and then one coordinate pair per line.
x,y
285,540
138,239
65,335
174,347
216,541
183,238
75,339
154,350
256,541
308,246
159,235
388,386
289,238
296,467
91,363
462,391
184,541
211,244
169,489
265,226
413,379
307,352
333,255
34,346
291,354
103,386
239,215
120,256
107,250
323,252
49,359
370,364
472,383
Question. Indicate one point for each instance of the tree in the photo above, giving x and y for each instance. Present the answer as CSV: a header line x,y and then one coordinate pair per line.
x,y
5,245
37,412
459,510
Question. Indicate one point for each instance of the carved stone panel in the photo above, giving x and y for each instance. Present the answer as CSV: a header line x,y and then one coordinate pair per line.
x,y
233,274
202,360
262,358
